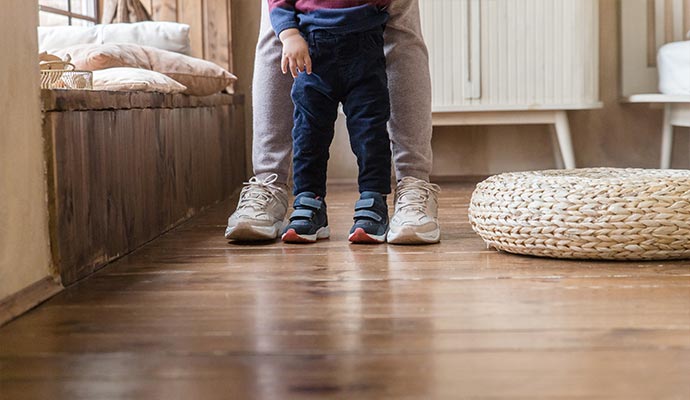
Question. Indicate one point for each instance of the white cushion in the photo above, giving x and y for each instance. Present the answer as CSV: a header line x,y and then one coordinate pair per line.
x,y
135,79
674,68
53,38
169,36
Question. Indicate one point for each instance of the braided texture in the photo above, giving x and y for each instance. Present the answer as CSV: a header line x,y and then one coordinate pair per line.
x,y
596,213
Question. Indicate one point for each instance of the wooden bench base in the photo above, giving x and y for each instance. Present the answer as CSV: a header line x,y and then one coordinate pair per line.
x,y
126,167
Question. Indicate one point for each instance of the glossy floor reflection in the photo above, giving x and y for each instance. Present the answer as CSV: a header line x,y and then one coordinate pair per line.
x,y
190,316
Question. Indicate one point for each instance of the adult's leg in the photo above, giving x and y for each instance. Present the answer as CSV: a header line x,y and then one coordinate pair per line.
x,y
263,202
415,220
272,145
409,82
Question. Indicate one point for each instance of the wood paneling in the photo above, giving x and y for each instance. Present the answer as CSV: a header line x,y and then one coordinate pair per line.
x,y
164,10
209,22
120,177
667,21
191,316
216,38
191,12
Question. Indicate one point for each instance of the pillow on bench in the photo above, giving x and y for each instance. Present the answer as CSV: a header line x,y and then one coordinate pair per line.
x,y
135,79
201,77
162,35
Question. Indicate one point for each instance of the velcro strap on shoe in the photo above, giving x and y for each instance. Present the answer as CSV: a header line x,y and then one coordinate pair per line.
x,y
309,202
368,214
302,214
364,204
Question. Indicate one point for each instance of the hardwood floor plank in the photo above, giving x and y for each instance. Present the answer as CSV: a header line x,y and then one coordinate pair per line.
x,y
192,316
514,375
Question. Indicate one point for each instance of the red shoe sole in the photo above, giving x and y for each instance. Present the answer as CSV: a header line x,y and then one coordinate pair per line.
x,y
292,237
359,236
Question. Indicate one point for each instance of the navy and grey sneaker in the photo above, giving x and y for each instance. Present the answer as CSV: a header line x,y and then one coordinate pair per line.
x,y
371,219
309,222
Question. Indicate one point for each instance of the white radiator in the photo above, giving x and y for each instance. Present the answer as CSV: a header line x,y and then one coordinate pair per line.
x,y
495,55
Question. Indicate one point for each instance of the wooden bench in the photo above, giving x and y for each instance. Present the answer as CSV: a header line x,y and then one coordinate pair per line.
x,y
123,168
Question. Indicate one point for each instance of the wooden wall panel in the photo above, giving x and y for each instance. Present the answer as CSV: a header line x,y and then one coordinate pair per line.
x,y
231,65
209,21
216,38
667,21
210,25
120,178
191,12
164,10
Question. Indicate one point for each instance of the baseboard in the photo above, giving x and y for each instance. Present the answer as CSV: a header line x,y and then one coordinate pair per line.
x,y
17,304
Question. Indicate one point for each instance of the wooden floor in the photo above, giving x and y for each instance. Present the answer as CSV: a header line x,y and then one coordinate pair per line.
x,y
190,316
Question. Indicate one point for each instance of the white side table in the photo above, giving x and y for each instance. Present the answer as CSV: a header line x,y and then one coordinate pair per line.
x,y
676,113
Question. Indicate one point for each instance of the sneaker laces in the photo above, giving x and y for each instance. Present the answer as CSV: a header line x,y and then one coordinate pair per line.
x,y
257,193
413,195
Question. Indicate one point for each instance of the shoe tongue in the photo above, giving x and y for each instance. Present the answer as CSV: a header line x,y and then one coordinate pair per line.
x,y
254,194
308,194
370,195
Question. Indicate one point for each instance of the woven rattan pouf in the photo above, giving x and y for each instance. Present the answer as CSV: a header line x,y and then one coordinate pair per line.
x,y
598,213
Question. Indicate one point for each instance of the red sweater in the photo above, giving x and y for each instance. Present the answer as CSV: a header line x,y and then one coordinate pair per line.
x,y
337,16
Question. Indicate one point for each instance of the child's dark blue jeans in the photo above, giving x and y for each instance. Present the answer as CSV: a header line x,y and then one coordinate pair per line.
x,y
348,69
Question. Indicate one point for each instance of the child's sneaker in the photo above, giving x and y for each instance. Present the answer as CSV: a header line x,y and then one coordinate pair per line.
x,y
309,221
371,219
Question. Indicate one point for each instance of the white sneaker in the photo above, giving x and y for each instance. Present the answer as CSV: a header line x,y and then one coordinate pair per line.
x,y
415,220
260,211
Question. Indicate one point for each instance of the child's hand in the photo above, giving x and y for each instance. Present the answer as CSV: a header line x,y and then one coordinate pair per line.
x,y
295,53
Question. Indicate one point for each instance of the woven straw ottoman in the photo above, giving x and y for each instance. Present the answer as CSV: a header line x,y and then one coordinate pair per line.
x,y
598,213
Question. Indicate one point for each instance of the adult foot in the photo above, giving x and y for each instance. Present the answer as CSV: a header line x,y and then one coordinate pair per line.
x,y
415,220
260,211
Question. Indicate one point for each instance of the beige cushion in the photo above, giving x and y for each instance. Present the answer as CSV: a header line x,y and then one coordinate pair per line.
x,y
201,77
163,35
93,57
135,79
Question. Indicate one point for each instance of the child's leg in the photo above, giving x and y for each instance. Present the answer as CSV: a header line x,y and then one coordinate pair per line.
x,y
368,110
367,107
316,109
